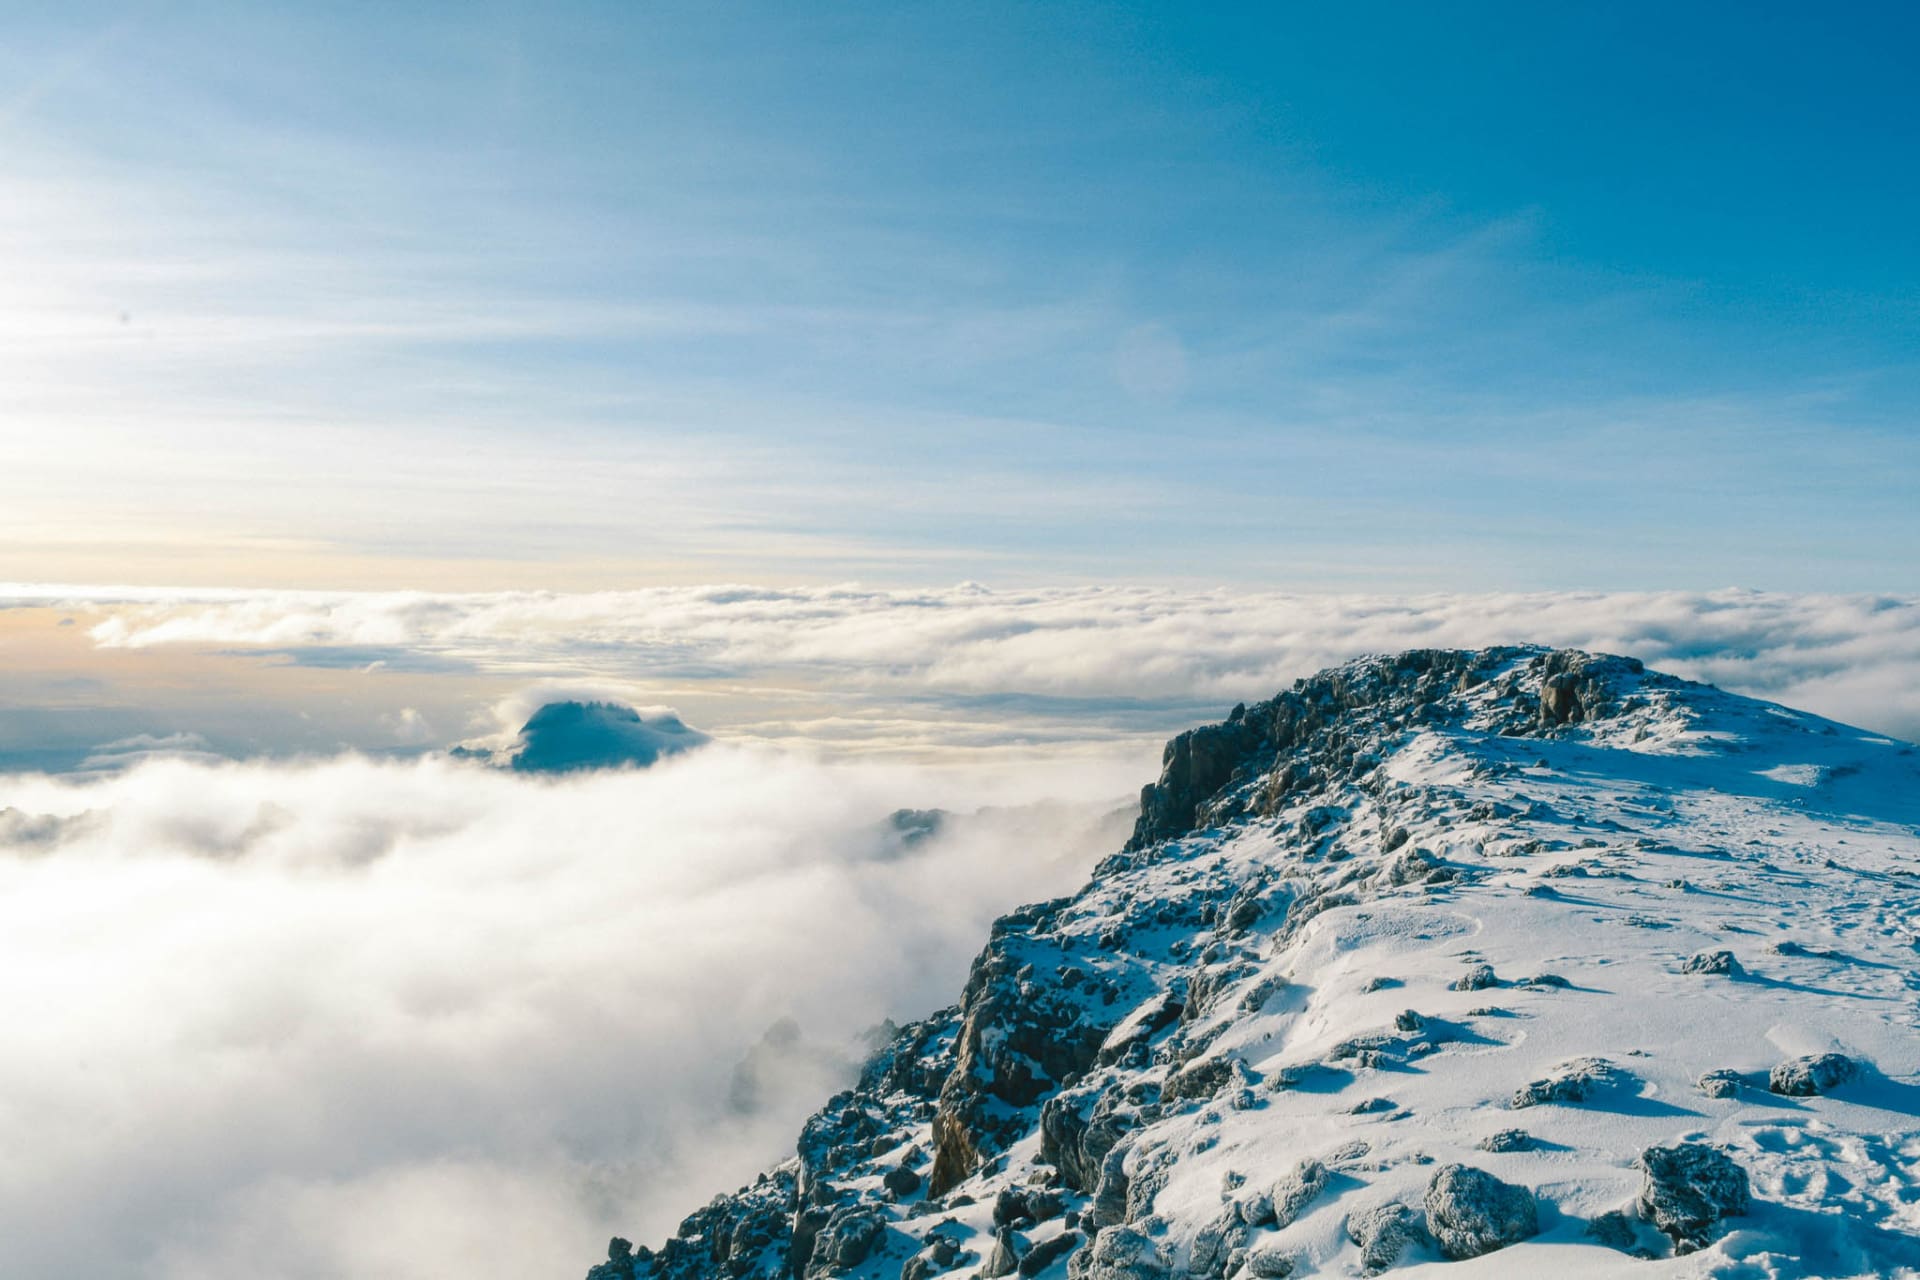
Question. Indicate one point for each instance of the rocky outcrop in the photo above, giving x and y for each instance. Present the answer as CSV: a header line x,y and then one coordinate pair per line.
x,y
1284,986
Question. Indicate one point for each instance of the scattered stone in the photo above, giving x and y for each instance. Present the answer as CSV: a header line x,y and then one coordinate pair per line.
x,y
1813,1075
901,1181
1471,1212
1271,1264
1689,1189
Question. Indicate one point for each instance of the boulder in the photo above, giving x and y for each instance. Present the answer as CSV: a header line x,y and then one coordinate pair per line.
x,y
1812,1075
1120,1253
1689,1189
1711,962
1471,1212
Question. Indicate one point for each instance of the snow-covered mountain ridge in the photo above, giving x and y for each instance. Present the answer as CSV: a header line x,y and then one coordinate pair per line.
x,y
1479,963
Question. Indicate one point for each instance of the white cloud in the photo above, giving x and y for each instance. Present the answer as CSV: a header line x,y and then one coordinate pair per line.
x,y
405,1020
1852,657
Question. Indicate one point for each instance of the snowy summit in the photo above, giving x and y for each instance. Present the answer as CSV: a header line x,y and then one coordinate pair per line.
x,y
1492,963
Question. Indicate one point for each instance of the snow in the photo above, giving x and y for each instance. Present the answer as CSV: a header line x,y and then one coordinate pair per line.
x,y
1604,855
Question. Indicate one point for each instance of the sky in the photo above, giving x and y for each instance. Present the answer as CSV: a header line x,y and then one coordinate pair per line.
x,y
936,406
1359,297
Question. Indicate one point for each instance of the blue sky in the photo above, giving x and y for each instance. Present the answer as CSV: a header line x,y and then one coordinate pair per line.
x,y
1383,297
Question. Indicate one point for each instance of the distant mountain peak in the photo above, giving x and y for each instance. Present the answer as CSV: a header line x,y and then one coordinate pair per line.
x,y
571,736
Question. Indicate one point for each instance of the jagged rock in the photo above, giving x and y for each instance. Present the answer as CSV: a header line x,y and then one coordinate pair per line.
x,y
1711,962
1295,1189
1812,1075
1720,1083
1471,1212
1112,1193
1077,1130
619,1264
1213,1243
1120,1253
1574,1081
1048,1252
1689,1189
1004,1258
848,1236
1383,1234
1025,1206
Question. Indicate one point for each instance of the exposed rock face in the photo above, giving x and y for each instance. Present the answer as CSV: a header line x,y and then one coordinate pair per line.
x,y
1806,1077
1689,1190
1471,1212
1275,1021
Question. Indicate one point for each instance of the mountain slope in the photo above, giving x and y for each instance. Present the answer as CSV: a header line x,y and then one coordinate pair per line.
x,y
1487,962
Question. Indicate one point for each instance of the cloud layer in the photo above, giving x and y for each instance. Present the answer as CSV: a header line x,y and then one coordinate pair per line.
x,y
1046,656
399,1020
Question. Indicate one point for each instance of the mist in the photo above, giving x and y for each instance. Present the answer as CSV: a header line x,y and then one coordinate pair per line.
x,y
408,1019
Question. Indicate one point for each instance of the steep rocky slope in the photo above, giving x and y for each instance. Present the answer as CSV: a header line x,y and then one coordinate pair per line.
x,y
1492,962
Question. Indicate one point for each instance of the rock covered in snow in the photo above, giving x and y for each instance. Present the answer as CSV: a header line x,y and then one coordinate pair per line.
x,y
1815,1074
1471,1212
1689,1189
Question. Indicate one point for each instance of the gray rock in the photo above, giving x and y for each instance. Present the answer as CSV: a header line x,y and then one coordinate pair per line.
x,y
1711,962
849,1236
1295,1189
902,1181
1048,1252
1507,1140
1383,1234
1573,1081
1110,1194
1271,1264
1216,1241
1004,1258
1720,1083
1689,1189
1471,1212
1120,1253
1478,977
1812,1075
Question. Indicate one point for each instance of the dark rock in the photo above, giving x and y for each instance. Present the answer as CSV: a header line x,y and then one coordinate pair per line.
x,y
1711,962
1004,1258
901,1181
1048,1252
1574,1081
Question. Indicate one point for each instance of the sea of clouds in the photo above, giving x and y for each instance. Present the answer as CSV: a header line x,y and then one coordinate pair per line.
x,y
1850,657
360,1018
404,1018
